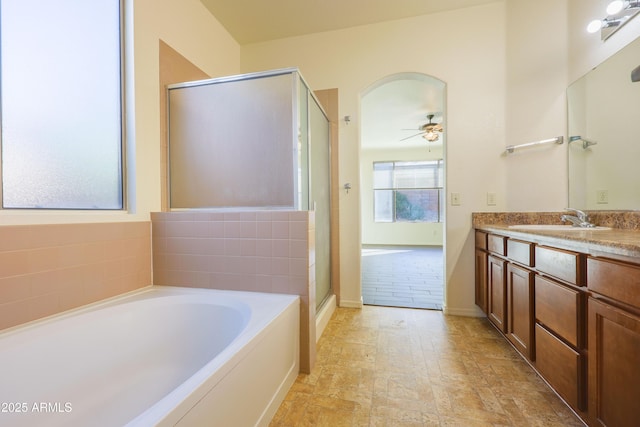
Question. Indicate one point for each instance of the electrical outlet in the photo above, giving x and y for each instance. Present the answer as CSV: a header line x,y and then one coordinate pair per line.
x,y
491,199
602,197
455,199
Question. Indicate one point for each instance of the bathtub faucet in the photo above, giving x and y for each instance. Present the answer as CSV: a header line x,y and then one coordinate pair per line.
x,y
581,219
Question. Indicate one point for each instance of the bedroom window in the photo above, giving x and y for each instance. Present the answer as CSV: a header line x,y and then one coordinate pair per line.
x,y
408,191
61,104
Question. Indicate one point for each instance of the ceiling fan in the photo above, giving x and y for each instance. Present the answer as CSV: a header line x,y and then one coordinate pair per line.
x,y
429,131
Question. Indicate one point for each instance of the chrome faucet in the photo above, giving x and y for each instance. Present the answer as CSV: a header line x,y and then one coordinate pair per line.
x,y
580,219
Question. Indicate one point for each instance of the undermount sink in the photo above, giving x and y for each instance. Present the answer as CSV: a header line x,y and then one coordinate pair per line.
x,y
555,227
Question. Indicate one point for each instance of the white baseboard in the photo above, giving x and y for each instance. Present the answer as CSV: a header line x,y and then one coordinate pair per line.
x,y
466,312
451,311
351,304
324,315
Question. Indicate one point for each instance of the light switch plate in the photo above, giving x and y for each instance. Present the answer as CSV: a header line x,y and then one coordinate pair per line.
x,y
491,199
455,199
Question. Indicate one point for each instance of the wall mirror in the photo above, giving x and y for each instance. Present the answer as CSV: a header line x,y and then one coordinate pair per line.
x,y
604,135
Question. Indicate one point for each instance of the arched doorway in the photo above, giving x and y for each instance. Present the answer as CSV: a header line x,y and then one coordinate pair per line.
x,y
402,154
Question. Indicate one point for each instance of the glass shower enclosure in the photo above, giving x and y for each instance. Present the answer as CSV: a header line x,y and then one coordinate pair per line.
x,y
252,141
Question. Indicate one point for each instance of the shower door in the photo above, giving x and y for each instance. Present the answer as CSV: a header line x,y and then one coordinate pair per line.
x,y
258,141
232,143
319,184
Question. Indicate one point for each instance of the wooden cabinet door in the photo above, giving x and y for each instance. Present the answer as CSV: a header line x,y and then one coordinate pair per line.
x,y
481,280
520,309
614,369
497,292
561,366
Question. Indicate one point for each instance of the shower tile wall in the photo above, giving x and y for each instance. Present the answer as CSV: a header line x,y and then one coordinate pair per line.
x,y
47,269
264,251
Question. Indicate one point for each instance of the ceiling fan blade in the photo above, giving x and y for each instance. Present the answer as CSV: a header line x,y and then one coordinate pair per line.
x,y
412,136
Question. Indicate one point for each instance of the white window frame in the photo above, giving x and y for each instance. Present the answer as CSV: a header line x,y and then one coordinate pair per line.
x,y
394,188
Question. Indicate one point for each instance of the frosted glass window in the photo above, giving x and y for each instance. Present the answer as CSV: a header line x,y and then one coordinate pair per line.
x,y
60,89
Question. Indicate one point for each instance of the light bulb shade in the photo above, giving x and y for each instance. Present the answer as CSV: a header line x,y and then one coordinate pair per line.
x,y
430,136
635,74
594,26
615,7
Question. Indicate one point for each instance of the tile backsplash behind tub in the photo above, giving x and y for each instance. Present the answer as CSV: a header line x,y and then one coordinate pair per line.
x,y
262,251
47,269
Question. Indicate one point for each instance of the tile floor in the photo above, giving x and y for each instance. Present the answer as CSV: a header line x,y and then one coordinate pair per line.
x,y
385,366
403,276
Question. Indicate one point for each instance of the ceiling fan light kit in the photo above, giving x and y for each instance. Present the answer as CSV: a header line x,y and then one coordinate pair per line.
x,y
429,131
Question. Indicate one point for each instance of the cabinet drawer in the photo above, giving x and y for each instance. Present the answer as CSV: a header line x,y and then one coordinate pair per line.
x,y
520,252
614,279
564,265
481,240
558,308
497,244
561,366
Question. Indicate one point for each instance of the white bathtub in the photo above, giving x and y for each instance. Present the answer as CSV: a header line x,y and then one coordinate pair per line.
x,y
163,356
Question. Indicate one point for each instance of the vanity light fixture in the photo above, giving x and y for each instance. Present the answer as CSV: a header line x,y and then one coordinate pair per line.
x,y
594,26
597,24
619,12
635,74
615,7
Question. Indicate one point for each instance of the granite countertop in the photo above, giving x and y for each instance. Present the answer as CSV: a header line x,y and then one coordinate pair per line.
x,y
621,241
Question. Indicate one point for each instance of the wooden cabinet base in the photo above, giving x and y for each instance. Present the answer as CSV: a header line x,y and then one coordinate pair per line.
x,y
614,368
574,316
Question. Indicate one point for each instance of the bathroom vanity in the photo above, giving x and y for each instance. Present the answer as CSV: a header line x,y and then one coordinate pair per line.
x,y
568,300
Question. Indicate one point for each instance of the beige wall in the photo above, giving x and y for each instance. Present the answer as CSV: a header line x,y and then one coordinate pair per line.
x,y
506,66
465,49
548,49
587,50
536,104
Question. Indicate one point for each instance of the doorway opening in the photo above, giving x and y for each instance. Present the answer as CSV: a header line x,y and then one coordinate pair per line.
x,y
402,164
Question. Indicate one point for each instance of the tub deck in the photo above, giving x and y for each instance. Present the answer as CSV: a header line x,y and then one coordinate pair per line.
x,y
160,356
